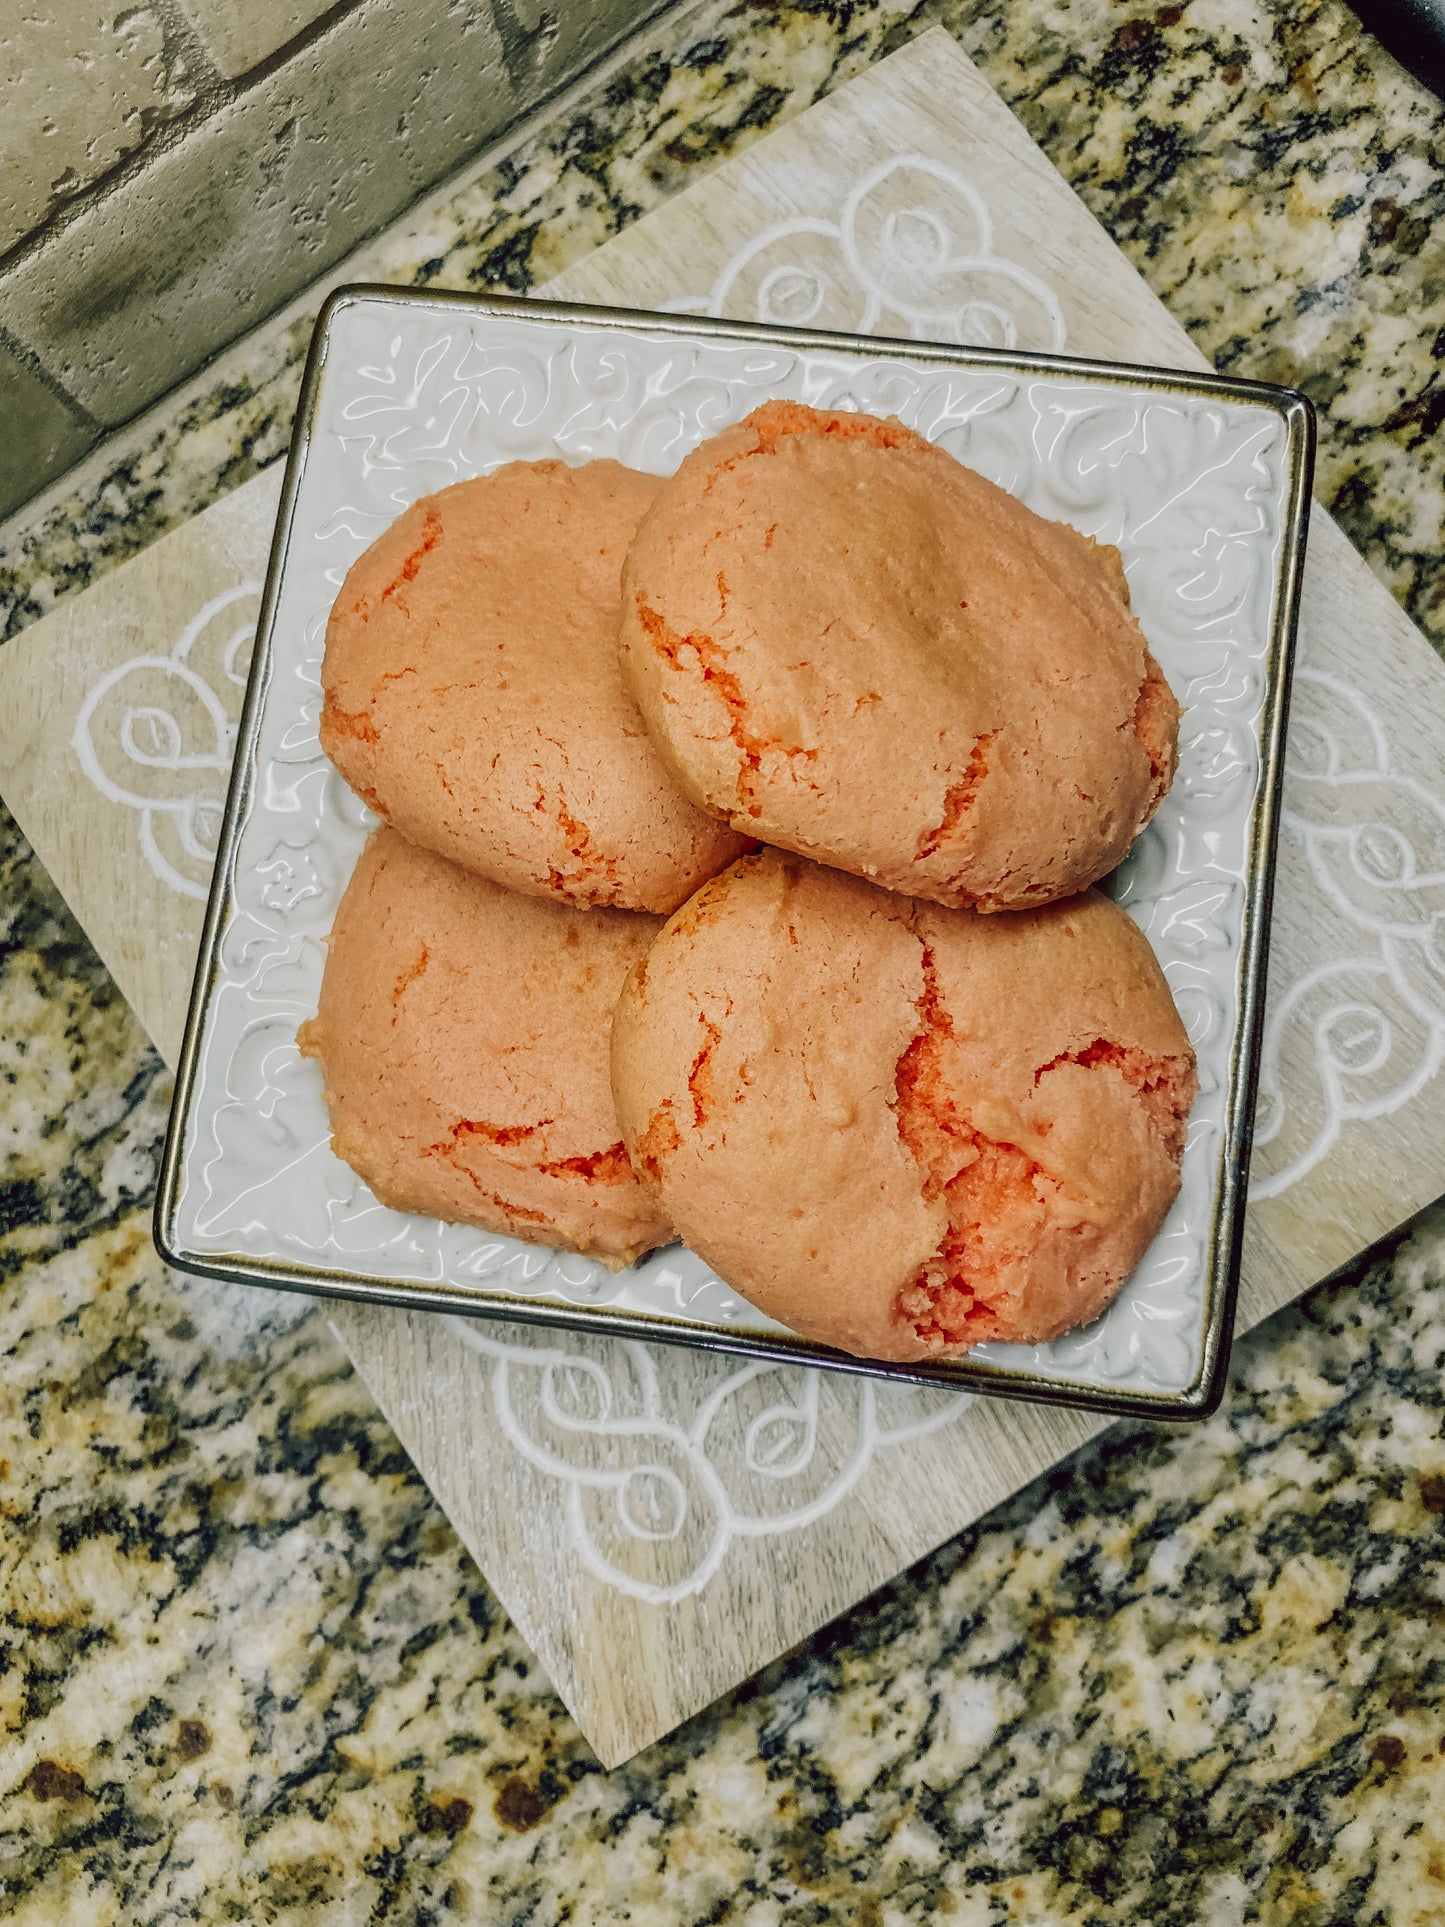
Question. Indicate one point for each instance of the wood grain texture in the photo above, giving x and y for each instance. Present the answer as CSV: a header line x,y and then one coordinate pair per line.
x,y
631,1668
919,138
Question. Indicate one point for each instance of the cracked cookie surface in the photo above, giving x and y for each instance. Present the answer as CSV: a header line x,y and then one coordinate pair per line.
x,y
473,696
853,647
898,1128
463,1032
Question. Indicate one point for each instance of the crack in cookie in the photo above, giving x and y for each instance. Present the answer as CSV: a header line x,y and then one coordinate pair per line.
x,y
959,799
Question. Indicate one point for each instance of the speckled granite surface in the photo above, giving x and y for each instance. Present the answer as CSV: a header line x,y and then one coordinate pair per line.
x,y
246,1673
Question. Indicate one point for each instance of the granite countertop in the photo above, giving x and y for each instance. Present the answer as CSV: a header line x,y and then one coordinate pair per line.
x,y
249,1674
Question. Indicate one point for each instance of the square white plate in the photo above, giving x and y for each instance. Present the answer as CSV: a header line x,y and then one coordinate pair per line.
x,y
1203,483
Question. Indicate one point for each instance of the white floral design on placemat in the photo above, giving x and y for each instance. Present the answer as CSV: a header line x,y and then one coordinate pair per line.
x,y
157,733
911,252
1361,1029
664,1468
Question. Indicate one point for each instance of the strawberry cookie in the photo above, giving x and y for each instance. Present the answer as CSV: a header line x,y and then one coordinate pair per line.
x,y
901,1129
849,645
473,696
463,1034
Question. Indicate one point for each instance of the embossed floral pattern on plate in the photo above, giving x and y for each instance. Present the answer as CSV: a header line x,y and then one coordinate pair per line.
x,y
1194,487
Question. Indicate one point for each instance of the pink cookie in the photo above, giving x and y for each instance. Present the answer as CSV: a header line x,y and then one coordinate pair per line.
x,y
474,699
850,645
463,1035
897,1128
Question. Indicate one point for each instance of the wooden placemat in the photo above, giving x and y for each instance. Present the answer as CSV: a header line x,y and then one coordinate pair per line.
x,y
661,1523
